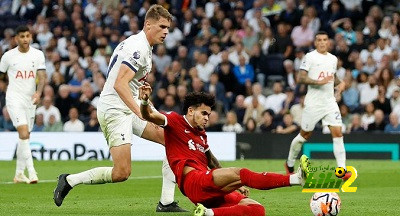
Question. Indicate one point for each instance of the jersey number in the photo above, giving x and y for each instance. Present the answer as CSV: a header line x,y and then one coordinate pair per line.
x,y
111,65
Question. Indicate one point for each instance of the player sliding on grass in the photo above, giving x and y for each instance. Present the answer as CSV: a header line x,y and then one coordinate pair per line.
x,y
198,173
119,114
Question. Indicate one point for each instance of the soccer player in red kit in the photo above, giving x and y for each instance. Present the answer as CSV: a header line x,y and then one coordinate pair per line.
x,y
198,173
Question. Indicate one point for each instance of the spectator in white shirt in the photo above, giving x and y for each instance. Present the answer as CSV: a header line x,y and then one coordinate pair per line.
x,y
48,109
256,90
74,124
275,100
239,51
369,91
204,68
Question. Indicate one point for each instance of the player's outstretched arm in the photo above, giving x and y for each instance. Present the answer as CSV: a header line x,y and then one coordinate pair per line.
x,y
305,79
39,90
149,113
121,86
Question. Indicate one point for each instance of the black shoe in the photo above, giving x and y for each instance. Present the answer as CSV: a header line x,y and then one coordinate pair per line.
x,y
61,190
173,207
289,170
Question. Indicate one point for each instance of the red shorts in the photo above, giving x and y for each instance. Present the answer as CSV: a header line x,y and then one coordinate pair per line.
x,y
199,187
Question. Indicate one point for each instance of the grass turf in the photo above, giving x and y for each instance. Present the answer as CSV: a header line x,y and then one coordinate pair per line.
x,y
378,190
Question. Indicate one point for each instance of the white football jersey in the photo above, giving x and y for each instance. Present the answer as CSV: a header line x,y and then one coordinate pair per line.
x,y
136,53
21,69
319,66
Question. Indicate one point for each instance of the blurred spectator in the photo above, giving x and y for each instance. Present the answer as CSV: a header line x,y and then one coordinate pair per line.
x,y
268,39
93,124
382,103
24,9
231,124
275,100
47,110
250,126
75,85
3,88
229,80
355,125
346,30
239,107
244,72
381,49
161,60
368,91
169,104
395,99
291,14
64,101
314,22
213,123
39,124
368,116
302,35
53,125
267,122
182,58
297,110
74,124
257,20
84,103
283,43
217,89
5,121
256,90
215,58
254,111
350,95
288,102
384,30
346,116
238,55
6,42
287,126
379,121
204,68
359,43
393,126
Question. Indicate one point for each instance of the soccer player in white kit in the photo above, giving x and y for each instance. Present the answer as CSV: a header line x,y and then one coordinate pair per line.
x,y
23,64
119,113
318,70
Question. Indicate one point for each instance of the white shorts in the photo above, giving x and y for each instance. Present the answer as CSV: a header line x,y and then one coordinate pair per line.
x,y
118,126
329,115
22,116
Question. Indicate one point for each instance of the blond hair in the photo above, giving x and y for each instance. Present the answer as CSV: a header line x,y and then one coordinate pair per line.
x,y
155,12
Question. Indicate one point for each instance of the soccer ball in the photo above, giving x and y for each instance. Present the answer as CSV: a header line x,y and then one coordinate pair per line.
x,y
339,172
325,204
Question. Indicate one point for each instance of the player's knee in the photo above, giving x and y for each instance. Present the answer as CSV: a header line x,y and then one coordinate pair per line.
x,y
120,175
257,210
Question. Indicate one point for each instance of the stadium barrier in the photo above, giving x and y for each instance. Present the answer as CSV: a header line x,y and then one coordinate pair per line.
x,y
93,146
358,146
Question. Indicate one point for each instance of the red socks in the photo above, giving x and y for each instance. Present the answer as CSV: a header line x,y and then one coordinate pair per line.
x,y
240,210
263,181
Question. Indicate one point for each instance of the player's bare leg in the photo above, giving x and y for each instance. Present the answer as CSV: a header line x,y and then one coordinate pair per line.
x,y
295,148
155,133
338,148
119,172
24,158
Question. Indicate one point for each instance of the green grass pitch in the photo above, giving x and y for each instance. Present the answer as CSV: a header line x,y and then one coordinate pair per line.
x,y
378,190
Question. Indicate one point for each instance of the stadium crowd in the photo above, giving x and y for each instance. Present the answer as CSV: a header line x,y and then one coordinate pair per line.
x,y
246,53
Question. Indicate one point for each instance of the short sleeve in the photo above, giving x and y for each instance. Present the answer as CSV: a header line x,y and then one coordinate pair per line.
x,y
4,63
170,118
41,61
133,59
306,63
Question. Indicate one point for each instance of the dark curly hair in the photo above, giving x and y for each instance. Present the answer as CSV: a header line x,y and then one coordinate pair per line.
x,y
195,99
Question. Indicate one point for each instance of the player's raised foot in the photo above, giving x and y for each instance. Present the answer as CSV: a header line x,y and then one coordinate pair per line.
x,y
33,179
61,190
346,176
304,168
289,170
173,207
200,210
21,178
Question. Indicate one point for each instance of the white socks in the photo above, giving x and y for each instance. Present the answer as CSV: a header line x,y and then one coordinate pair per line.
x,y
168,184
295,148
24,157
339,152
99,175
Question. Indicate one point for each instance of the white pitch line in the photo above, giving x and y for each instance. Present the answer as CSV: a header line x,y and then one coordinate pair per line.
x,y
52,181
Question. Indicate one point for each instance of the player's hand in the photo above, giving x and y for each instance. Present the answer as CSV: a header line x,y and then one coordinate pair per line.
x,y
244,190
325,80
36,98
145,91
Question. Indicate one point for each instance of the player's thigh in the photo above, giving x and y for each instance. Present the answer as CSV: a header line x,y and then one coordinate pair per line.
x,y
121,156
227,178
310,117
332,118
116,127
22,118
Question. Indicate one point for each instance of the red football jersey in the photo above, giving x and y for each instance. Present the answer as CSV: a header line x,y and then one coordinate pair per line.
x,y
185,145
